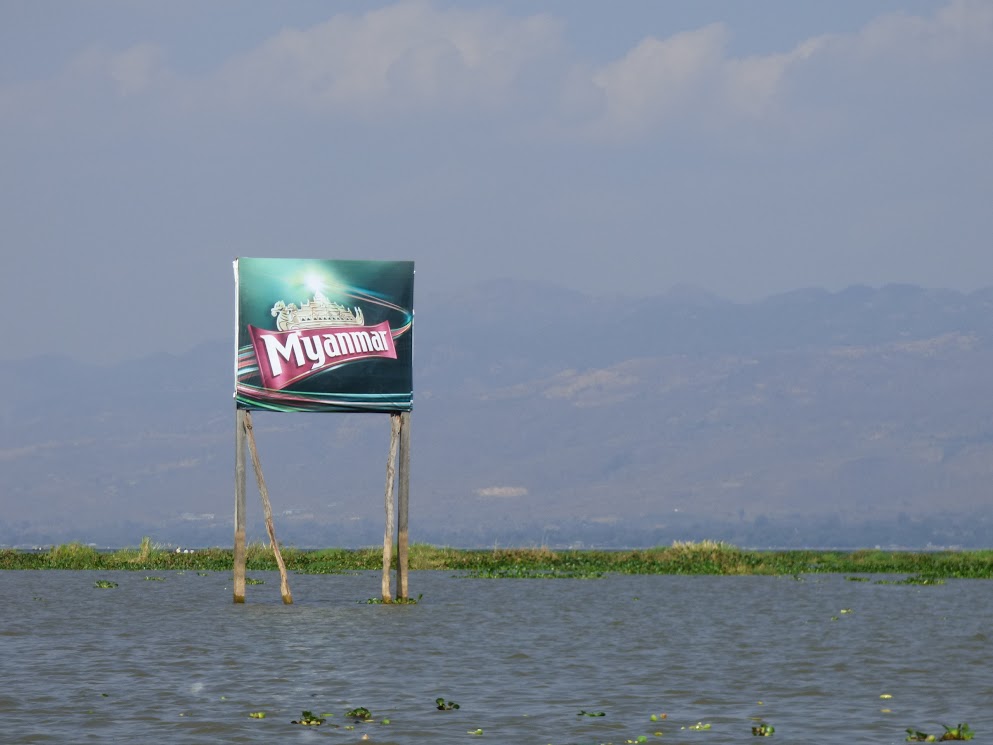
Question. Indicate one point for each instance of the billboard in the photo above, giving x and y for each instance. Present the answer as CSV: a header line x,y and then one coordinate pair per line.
x,y
324,335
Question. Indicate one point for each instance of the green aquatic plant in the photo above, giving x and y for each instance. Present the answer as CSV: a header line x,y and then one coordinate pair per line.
x,y
922,580
105,584
681,558
308,719
762,729
359,713
698,726
919,579
257,714
519,571
397,601
584,713
960,732
250,581
443,705
155,579
705,557
73,556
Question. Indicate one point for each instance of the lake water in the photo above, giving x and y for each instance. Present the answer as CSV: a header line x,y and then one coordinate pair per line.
x,y
175,661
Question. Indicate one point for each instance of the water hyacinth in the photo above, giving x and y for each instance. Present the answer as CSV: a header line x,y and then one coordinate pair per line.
x,y
693,558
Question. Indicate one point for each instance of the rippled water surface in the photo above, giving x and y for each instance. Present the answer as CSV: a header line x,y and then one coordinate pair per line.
x,y
175,661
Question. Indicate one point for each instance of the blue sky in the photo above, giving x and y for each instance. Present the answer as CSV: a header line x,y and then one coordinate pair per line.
x,y
747,148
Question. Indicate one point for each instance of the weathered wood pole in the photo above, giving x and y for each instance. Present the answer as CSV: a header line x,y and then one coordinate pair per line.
x,y
389,533
284,586
403,494
239,507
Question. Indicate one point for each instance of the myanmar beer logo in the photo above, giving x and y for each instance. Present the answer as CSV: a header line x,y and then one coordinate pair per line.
x,y
319,334
324,335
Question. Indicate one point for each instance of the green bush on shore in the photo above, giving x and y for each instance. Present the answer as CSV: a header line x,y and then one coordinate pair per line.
x,y
705,557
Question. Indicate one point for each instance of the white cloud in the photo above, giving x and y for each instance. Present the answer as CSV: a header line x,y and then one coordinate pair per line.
x,y
688,80
416,57
658,79
89,85
136,69
954,33
409,55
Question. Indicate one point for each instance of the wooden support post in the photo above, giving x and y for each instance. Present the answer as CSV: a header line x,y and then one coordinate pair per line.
x,y
239,506
389,533
284,587
403,493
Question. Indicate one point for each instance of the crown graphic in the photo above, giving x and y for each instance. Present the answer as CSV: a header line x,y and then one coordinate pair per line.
x,y
316,313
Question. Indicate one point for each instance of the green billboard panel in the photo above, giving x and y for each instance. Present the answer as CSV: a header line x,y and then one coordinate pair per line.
x,y
324,335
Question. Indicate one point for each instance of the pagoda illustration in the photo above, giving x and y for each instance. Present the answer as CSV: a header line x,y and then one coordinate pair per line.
x,y
316,313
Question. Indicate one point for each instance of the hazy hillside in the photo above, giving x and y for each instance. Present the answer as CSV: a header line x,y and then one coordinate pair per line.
x,y
545,416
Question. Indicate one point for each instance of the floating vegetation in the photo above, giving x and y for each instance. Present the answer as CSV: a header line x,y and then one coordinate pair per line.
x,y
681,558
519,571
442,705
257,714
154,579
397,601
763,729
72,556
105,584
959,732
857,579
307,718
250,581
477,731
657,717
697,726
360,713
584,713
916,580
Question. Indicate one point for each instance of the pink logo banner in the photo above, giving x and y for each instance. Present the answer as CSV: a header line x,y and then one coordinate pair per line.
x,y
285,357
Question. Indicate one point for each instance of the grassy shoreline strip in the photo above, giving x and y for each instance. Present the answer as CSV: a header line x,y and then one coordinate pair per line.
x,y
703,558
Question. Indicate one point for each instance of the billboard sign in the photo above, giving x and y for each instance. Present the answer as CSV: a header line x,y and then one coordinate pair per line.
x,y
324,335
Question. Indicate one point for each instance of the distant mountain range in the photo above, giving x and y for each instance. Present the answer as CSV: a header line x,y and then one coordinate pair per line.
x,y
546,416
